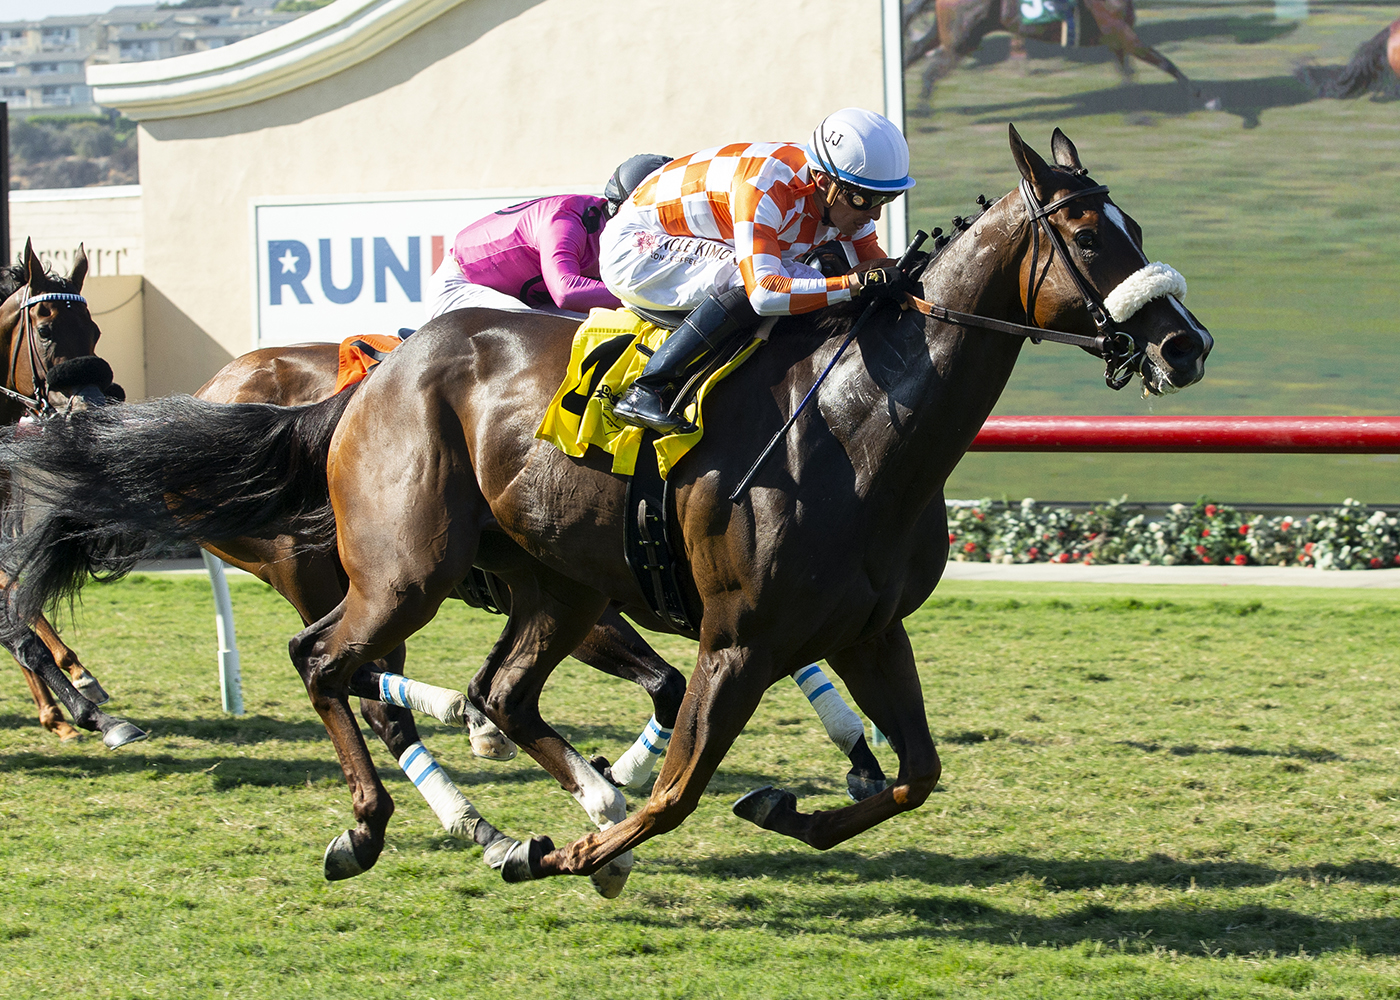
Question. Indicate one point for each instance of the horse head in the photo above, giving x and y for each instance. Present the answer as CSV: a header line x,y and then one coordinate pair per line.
x,y
49,336
1089,275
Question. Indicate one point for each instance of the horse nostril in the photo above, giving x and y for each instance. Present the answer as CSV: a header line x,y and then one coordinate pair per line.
x,y
1181,349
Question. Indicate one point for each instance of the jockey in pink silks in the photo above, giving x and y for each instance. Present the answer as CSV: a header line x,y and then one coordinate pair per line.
x,y
540,254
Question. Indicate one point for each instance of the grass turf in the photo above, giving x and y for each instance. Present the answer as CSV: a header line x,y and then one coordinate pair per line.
x,y
1150,791
1275,208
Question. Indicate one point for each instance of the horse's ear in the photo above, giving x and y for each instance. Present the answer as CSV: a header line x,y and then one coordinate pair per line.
x,y
1065,153
33,266
80,266
1033,168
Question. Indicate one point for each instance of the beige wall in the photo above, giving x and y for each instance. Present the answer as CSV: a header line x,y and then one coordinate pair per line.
x,y
493,94
107,221
118,306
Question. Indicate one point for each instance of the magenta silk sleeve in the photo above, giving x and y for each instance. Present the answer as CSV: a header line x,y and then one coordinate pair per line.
x,y
567,249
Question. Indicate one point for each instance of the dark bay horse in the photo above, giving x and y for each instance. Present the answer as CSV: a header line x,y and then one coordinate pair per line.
x,y
960,25
311,580
48,339
433,467
1375,64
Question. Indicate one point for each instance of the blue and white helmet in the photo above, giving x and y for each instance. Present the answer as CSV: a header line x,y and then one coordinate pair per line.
x,y
861,148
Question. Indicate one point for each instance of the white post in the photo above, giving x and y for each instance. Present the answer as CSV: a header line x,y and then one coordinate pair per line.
x,y
892,36
230,682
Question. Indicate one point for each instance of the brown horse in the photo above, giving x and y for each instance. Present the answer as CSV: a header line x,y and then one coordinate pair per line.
x,y
960,25
433,467
1366,70
56,338
47,337
311,579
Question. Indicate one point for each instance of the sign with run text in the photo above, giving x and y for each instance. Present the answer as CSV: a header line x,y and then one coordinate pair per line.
x,y
331,268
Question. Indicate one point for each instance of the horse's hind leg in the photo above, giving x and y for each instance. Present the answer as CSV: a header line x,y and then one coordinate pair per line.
x,y
50,715
844,728
617,649
884,681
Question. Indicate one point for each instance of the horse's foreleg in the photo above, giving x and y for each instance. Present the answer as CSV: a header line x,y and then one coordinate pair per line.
x,y
35,657
50,715
844,728
882,677
617,649
376,682
723,693
541,630
68,661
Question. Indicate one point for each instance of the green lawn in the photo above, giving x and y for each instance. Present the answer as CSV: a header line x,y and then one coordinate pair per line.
x,y
1279,209
1148,791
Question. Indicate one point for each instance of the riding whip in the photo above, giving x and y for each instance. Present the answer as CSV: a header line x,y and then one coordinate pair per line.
x,y
903,265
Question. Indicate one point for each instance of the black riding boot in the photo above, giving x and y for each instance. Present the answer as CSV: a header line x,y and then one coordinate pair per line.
x,y
709,328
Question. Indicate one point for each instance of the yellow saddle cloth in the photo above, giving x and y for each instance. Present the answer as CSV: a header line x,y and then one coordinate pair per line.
x,y
603,363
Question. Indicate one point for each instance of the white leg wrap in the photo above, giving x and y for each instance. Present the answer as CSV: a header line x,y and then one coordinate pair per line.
x,y
636,764
842,725
444,704
457,816
606,807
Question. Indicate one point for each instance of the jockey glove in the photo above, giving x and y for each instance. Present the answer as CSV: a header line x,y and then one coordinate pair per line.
x,y
882,283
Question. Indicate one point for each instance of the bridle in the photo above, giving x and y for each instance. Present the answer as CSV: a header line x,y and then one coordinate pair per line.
x,y
39,369
1122,357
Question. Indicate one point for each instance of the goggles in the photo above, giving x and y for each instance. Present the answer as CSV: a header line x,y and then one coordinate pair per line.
x,y
865,200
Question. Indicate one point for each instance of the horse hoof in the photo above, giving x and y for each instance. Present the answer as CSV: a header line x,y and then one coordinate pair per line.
x,y
759,805
610,879
91,690
860,788
121,734
522,864
340,861
492,744
498,850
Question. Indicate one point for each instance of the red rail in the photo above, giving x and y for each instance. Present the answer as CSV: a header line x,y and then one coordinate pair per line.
x,y
1247,435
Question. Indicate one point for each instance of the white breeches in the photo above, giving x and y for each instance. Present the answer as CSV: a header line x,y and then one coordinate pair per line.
x,y
652,269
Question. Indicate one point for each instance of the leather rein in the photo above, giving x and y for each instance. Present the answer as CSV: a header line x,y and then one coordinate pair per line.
x,y
1121,355
39,369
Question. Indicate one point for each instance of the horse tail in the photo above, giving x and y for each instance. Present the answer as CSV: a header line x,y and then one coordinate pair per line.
x,y
1353,79
107,487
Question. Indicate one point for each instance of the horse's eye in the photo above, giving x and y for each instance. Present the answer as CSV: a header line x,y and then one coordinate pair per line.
x,y
1085,239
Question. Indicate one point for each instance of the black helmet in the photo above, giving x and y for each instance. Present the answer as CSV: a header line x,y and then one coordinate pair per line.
x,y
628,175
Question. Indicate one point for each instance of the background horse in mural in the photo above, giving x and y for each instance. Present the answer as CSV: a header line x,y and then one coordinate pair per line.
x,y
432,467
1374,65
960,25
47,337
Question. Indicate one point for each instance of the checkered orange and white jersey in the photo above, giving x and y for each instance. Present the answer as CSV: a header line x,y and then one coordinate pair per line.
x,y
758,199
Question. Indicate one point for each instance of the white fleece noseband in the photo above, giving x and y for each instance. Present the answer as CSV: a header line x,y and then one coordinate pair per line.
x,y
1141,287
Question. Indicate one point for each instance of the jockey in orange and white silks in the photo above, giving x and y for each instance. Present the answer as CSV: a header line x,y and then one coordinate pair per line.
x,y
720,231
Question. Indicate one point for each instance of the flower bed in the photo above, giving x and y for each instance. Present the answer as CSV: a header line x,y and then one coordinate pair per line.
x,y
1347,537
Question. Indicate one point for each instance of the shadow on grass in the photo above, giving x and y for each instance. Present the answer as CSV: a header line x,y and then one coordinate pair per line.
x,y
855,889
226,773
238,730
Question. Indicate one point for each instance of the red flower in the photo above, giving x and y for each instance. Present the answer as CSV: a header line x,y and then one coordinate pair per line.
x,y
1211,509
970,547
1308,548
1397,560
1064,557
979,515
1200,550
1206,560
952,538
1033,552
1241,559
1205,532
1244,529
1375,563
1093,535
1285,525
